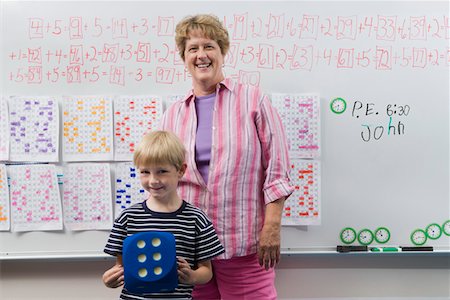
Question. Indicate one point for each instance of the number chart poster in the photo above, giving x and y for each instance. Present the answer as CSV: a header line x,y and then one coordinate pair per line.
x,y
300,116
4,130
87,196
303,207
87,128
128,187
134,116
34,197
4,200
34,127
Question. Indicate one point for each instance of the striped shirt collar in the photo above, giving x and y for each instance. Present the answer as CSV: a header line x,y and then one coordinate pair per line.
x,y
226,83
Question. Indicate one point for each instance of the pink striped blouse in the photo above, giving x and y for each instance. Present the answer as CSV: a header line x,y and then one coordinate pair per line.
x,y
249,164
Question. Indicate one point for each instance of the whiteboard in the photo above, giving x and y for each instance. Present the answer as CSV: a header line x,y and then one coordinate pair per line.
x,y
381,57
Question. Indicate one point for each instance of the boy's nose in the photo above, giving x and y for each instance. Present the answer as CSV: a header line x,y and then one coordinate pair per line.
x,y
154,179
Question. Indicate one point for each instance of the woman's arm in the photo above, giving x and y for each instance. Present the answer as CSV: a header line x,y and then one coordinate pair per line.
x,y
269,239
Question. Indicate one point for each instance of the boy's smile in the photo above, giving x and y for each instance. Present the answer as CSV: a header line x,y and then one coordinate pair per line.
x,y
161,182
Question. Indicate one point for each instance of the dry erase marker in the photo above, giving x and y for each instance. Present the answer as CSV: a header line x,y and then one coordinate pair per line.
x,y
385,249
349,248
418,248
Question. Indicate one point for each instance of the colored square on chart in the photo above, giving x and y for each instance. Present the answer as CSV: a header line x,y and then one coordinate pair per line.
x,y
34,129
134,116
303,207
87,128
300,116
4,130
128,187
87,196
5,221
34,197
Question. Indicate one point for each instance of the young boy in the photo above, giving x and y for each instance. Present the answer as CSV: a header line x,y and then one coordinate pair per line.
x,y
160,158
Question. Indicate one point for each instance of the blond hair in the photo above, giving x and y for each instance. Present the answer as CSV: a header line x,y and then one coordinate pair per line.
x,y
160,147
209,25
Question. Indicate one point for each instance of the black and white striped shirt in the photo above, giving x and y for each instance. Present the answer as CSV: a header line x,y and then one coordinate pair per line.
x,y
195,238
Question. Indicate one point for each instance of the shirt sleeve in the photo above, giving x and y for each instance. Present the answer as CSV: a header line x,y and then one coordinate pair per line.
x,y
275,157
118,233
207,243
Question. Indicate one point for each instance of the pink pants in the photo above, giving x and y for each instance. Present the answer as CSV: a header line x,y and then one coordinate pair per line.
x,y
238,278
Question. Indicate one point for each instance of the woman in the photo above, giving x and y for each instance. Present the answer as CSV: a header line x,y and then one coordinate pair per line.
x,y
238,166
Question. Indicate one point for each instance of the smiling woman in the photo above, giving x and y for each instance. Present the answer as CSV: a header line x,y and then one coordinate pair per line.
x,y
204,61
237,163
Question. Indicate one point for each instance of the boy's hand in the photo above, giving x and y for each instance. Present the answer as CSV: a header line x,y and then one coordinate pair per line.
x,y
185,273
113,277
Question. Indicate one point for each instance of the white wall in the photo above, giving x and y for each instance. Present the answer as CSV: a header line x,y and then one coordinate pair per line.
x,y
298,277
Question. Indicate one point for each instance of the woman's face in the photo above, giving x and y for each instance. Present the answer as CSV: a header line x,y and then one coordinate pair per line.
x,y
204,61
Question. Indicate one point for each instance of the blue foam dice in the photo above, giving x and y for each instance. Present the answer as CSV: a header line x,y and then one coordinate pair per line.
x,y
150,263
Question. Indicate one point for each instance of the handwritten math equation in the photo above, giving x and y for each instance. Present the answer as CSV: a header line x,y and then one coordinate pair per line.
x,y
245,27
122,50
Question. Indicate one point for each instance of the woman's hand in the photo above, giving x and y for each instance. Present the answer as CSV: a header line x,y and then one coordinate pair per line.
x,y
269,246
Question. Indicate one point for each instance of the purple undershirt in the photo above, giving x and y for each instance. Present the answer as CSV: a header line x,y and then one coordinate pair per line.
x,y
204,106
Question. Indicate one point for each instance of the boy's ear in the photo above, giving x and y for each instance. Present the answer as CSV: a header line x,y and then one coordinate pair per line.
x,y
182,169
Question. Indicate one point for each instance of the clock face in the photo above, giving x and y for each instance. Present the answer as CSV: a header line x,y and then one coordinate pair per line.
x,y
338,105
382,235
348,235
434,231
365,237
418,237
446,227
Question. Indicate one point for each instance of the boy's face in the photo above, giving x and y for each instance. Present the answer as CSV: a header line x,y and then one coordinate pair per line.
x,y
161,180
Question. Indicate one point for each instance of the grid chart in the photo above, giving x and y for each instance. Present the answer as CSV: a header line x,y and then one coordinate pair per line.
x,y
300,116
87,196
4,200
34,197
303,207
4,130
134,116
87,128
128,187
34,129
